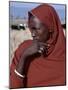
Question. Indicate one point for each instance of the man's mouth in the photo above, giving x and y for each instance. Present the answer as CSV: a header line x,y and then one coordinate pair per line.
x,y
35,38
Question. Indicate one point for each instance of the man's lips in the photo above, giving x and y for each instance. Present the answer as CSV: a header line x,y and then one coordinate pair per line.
x,y
36,38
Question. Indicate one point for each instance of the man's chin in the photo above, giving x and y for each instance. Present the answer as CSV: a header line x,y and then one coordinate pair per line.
x,y
38,40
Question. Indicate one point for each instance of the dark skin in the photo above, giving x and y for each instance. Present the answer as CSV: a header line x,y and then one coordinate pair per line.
x,y
38,30
40,35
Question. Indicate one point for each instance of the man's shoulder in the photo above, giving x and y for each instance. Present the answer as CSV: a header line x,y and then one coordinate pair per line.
x,y
24,45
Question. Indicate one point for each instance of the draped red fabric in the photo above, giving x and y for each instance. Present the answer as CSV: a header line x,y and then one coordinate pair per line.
x,y
48,16
43,71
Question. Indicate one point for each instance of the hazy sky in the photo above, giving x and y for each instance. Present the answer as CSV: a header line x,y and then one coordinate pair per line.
x,y
21,8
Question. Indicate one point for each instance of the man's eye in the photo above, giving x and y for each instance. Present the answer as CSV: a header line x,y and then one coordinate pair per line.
x,y
33,28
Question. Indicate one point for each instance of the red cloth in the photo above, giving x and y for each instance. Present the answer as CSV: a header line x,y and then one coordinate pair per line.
x,y
43,71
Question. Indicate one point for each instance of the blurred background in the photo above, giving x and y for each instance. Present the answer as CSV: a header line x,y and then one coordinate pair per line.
x,y
18,22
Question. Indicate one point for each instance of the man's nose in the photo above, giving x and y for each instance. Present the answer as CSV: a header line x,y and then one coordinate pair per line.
x,y
33,34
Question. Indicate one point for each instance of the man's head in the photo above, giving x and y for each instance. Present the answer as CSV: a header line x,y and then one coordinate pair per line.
x,y
38,30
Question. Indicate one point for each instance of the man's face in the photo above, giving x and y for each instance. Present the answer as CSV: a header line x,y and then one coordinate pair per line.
x,y
38,30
